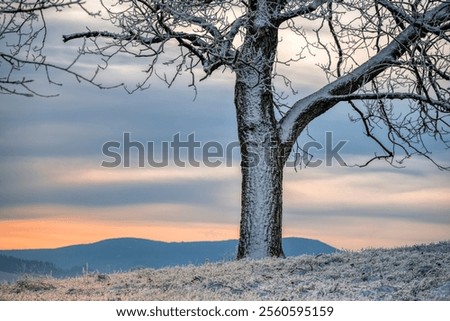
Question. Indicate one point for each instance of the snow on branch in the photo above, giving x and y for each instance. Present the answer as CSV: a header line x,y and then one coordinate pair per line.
x,y
24,6
303,9
310,107
420,21
203,30
115,36
445,105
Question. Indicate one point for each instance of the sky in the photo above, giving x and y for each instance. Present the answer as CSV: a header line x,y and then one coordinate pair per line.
x,y
55,191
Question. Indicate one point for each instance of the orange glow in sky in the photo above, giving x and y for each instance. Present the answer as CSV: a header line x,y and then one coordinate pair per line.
x,y
53,233
33,234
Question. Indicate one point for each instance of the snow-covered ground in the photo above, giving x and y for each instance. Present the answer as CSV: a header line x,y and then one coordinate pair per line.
x,y
420,272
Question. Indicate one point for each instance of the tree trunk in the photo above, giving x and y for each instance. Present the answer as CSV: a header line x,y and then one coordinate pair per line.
x,y
261,208
261,151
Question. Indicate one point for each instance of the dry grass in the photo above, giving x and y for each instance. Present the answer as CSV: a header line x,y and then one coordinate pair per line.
x,y
412,273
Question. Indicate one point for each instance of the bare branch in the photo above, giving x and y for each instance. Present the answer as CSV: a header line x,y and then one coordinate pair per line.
x,y
429,25
301,10
375,52
15,7
444,105
23,30
115,36
307,109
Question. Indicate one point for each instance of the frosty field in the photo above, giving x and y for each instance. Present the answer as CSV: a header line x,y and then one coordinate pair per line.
x,y
420,272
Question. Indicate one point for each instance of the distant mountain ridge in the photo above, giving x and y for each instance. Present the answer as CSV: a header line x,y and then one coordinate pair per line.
x,y
125,254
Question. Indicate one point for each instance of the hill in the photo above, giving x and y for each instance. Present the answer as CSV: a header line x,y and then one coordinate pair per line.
x,y
125,254
420,272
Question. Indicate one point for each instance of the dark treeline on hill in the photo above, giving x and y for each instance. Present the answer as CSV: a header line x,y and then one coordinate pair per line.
x,y
14,265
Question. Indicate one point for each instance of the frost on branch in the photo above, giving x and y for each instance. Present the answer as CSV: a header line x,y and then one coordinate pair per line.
x,y
373,53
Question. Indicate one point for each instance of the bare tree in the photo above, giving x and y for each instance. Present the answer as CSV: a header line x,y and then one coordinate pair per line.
x,y
378,52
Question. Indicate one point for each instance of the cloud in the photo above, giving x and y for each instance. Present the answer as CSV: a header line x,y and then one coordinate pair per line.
x,y
83,182
379,190
357,232
149,213
376,206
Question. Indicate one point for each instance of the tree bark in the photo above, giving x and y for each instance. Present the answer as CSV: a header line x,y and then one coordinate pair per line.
x,y
261,148
261,208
